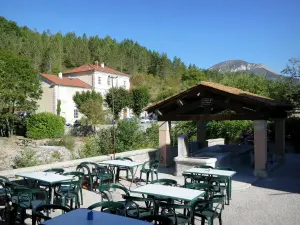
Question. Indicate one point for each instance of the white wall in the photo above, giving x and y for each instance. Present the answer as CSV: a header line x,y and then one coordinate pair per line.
x,y
65,94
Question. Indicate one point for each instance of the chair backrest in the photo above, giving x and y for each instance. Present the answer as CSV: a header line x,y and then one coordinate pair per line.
x,y
157,219
204,166
128,159
151,164
169,209
3,179
38,214
25,196
132,203
75,174
167,182
110,207
55,170
106,189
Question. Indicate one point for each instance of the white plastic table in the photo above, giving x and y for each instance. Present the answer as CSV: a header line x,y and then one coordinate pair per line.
x,y
176,193
225,173
47,177
215,172
124,163
79,217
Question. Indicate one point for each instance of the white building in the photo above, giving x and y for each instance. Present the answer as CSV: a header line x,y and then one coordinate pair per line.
x,y
83,78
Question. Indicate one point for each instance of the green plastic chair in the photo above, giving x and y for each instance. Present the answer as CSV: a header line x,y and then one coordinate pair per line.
x,y
227,182
208,188
167,182
109,207
150,167
124,168
157,219
3,180
209,209
38,214
173,211
146,207
55,170
106,191
71,193
78,176
26,198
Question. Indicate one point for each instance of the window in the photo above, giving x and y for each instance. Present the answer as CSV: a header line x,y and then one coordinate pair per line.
x,y
117,82
108,80
75,113
99,80
124,84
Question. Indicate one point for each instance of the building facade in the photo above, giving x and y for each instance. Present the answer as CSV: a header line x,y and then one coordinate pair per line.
x,y
87,77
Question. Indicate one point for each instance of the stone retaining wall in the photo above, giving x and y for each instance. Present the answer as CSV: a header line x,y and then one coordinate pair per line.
x,y
141,155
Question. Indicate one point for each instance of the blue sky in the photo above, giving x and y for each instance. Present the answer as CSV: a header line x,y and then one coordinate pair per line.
x,y
202,32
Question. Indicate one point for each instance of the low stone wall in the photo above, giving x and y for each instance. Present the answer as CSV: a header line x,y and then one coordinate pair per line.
x,y
185,163
141,155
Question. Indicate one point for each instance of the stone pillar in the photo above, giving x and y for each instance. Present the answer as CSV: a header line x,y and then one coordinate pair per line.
x,y
182,146
164,143
201,133
260,148
280,140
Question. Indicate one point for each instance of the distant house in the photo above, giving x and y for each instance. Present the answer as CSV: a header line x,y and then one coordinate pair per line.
x,y
87,77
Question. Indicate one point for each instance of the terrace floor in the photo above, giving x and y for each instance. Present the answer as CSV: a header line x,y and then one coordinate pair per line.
x,y
274,200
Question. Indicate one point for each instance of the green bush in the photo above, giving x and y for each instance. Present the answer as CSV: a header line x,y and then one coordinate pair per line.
x,y
44,125
152,136
129,136
98,144
66,141
230,130
26,158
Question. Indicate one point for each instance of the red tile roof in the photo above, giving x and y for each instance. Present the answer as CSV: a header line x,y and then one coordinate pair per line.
x,y
65,81
91,67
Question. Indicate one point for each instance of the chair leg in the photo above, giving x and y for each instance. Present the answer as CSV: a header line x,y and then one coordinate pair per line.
x,y
140,176
81,196
147,178
220,220
22,216
117,174
152,176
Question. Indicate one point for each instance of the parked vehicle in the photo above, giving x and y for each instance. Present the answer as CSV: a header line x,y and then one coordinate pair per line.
x,y
145,120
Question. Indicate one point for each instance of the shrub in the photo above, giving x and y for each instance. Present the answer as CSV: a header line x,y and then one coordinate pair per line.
x,y
152,136
56,156
98,144
45,125
129,136
26,158
230,130
66,141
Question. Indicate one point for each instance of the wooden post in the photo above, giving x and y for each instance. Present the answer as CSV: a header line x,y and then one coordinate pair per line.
x,y
260,148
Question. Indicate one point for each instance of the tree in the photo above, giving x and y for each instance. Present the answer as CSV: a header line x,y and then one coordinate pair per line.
x,y
93,110
140,97
20,89
90,104
82,97
117,98
58,109
292,68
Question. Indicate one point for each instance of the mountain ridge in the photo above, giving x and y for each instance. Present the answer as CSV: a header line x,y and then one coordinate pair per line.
x,y
244,66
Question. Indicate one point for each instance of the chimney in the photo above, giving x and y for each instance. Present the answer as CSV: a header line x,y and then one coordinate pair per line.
x,y
96,63
102,64
60,75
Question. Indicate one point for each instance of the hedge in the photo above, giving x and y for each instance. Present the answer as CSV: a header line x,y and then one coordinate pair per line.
x,y
45,125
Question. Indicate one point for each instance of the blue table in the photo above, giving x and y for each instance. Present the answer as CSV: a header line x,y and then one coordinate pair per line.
x,y
79,217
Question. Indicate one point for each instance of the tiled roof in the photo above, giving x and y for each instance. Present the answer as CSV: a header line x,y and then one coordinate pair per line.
x,y
91,67
224,89
65,81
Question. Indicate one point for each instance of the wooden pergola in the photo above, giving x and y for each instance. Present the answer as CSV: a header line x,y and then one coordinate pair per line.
x,y
211,101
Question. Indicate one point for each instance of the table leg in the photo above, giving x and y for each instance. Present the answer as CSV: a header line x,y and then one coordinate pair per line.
x,y
133,175
52,195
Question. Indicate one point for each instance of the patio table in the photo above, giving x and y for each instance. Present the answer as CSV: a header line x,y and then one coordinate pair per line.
x,y
79,217
124,163
175,193
47,177
214,172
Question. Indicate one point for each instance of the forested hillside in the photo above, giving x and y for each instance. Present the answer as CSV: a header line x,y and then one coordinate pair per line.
x,y
52,53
